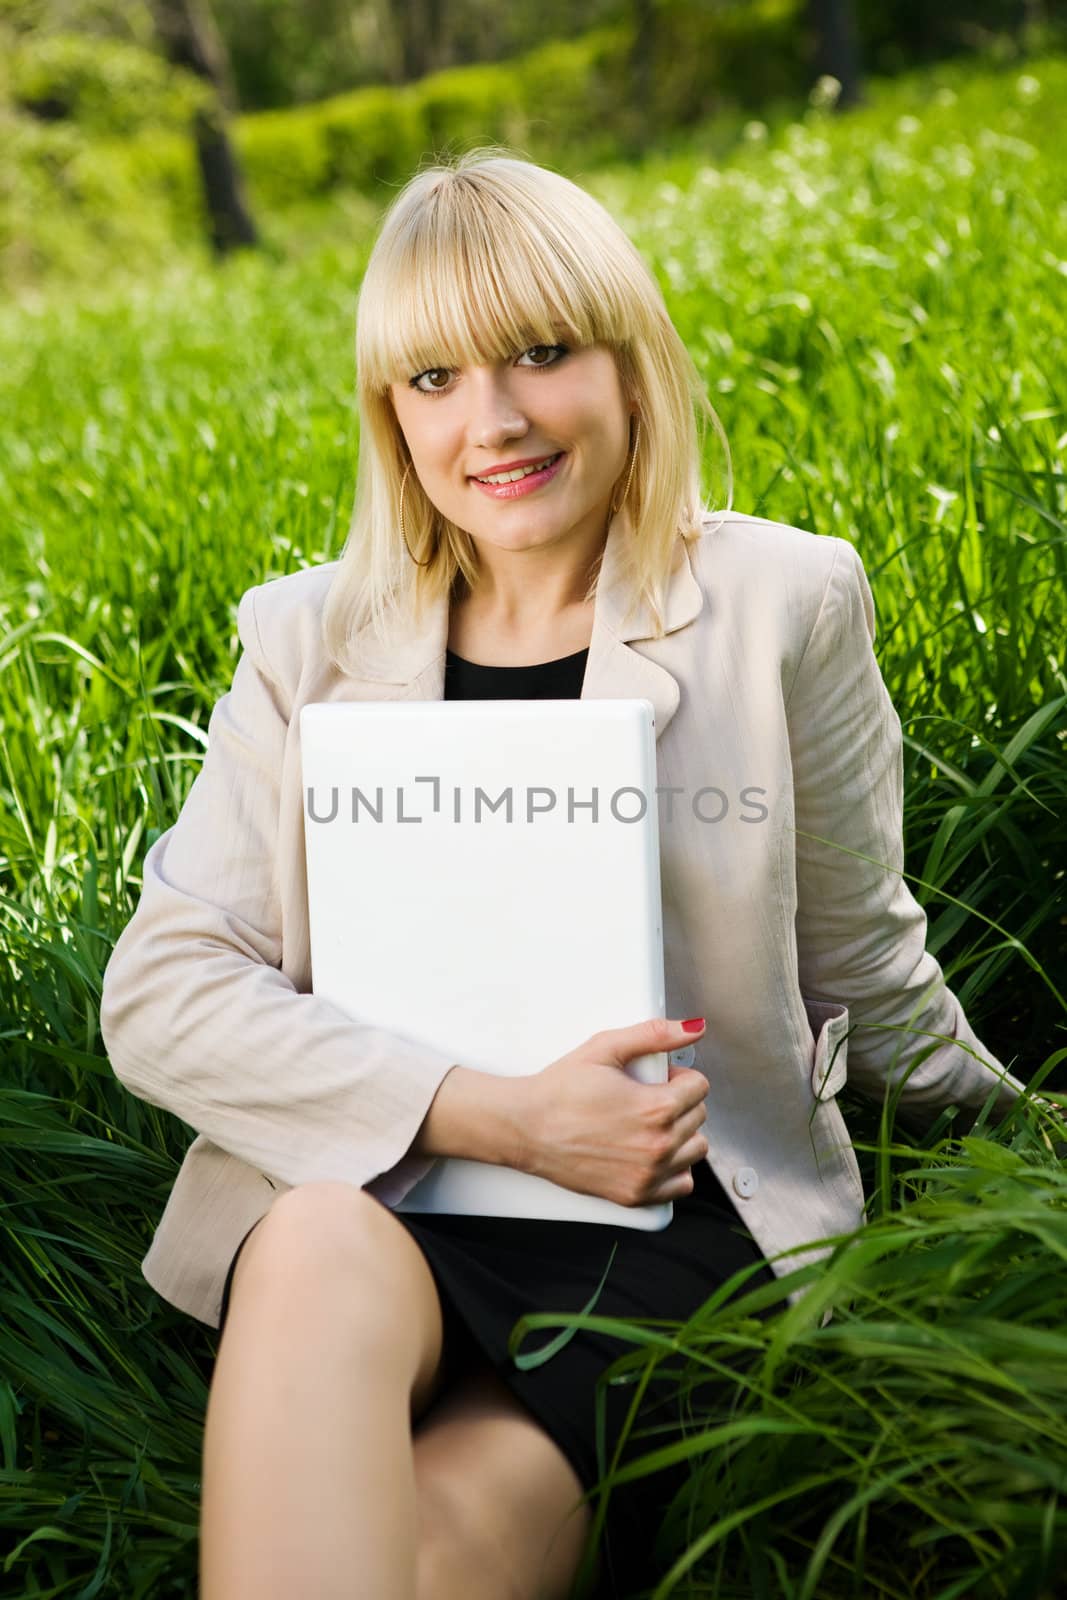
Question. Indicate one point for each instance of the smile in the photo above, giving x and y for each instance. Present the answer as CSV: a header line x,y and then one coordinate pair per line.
x,y
524,480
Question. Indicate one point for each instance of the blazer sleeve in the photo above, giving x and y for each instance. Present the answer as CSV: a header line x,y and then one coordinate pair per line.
x,y
861,935
197,1016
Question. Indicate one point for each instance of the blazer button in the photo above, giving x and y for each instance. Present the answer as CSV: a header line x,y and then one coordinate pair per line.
x,y
746,1182
683,1057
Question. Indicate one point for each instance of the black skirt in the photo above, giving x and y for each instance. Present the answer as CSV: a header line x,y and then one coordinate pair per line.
x,y
489,1271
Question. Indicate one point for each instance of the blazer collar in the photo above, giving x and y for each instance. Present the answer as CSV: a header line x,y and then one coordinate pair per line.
x,y
411,666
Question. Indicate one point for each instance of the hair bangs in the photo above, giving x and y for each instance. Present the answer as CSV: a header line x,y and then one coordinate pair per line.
x,y
470,278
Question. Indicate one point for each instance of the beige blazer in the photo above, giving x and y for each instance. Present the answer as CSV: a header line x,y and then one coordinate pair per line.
x,y
775,733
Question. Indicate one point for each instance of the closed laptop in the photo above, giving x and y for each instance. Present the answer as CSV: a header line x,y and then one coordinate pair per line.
x,y
483,876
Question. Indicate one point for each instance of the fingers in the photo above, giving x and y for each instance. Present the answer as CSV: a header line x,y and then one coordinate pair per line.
x,y
688,1088
674,1187
691,1121
694,1149
620,1045
679,1180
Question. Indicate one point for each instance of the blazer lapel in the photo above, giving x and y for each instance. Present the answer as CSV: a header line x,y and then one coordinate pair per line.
x,y
411,666
613,670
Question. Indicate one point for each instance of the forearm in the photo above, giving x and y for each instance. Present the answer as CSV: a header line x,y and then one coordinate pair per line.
x,y
477,1115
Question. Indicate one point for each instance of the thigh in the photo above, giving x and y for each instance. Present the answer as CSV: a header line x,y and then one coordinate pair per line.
x,y
334,1243
499,1503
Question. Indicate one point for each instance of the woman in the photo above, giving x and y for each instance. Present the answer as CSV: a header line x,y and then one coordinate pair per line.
x,y
366,1432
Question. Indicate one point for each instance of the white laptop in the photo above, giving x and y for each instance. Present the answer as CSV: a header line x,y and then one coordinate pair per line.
x,y
483,876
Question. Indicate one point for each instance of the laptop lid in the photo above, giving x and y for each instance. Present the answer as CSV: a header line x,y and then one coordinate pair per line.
x,y
483,876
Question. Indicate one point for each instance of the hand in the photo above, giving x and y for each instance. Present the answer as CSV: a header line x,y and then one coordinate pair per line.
x,y
592,1128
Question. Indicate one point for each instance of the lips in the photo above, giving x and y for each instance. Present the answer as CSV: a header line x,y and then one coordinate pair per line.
x,y
529,482
514,466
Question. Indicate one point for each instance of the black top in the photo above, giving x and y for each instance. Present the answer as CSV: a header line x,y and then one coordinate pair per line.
x,y
546,680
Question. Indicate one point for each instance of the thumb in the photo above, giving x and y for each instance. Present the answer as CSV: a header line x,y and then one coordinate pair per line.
x,y
620,1045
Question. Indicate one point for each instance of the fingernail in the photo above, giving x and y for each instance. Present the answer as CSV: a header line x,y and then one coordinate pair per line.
x,y
692,1024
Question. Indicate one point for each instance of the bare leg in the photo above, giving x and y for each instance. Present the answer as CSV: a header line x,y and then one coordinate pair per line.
x,y
332,1344
500,1507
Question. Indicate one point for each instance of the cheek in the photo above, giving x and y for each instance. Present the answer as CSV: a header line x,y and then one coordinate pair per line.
x,y
440,444
422,435
596,412
585,423
609,442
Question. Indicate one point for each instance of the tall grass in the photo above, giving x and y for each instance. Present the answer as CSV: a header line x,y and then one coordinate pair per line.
x,y
917,1445
878,306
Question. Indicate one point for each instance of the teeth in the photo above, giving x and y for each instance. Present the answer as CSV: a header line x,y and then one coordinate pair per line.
x,y
520,472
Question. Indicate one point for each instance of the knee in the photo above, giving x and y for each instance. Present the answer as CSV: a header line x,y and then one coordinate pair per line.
x,y
326,1208
324,1238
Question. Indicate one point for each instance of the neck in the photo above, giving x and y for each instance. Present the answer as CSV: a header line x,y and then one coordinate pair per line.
x,y
527,595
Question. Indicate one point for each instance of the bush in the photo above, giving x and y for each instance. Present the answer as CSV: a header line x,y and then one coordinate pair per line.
x,y
373,135
105,86
744,53
547,103
71,206
284,154
115,19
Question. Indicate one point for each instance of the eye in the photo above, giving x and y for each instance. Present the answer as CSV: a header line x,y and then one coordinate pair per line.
x,y
560,348
559,351
415,383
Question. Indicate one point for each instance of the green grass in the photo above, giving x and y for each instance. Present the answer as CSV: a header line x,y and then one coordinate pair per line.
x,y
878,306
917,1445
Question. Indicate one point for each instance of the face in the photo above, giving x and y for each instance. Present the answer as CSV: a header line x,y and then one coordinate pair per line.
x,y
548,400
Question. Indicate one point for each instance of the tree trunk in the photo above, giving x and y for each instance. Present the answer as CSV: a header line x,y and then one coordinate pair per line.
x,y
436,44
411,29
191,40
642,65
229,219
424,36
836,47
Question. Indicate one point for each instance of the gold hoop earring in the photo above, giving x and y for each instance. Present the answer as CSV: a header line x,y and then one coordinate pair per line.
x,y
630,473
403,531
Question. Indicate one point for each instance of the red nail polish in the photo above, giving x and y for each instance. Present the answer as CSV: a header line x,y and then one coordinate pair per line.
x,y
692,1024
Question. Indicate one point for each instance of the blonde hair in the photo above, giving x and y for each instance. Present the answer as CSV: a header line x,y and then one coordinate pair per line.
x,y
478,258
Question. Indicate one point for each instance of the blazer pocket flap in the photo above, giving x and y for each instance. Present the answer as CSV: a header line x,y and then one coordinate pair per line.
x,y
828,1020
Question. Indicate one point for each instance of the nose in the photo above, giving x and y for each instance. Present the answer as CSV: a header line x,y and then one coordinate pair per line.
x,y
494,415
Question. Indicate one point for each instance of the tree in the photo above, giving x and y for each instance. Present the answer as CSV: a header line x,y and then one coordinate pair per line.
x,y
642,62
421,27
190,39
837,54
